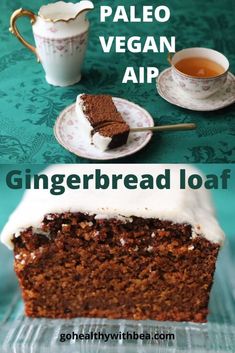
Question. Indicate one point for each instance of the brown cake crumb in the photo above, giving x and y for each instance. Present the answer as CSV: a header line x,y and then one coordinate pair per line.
x,y
105,118
100,109
119,133
77,266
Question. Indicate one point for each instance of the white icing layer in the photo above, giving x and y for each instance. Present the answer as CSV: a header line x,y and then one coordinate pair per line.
x,y
180,206
101,142
83,122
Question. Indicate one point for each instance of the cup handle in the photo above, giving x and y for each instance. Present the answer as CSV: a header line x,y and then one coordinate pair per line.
x,y
14,30
169,58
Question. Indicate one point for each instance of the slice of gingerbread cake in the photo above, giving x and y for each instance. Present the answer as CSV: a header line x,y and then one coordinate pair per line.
x,y
117,254
100,121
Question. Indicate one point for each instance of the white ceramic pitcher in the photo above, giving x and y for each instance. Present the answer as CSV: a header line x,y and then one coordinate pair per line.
x,y
61,33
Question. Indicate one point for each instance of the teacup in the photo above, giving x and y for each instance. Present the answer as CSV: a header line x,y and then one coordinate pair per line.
x,y
199,87
61,33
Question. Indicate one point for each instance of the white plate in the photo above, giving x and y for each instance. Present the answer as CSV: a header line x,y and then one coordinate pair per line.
x,y
72,138
168,90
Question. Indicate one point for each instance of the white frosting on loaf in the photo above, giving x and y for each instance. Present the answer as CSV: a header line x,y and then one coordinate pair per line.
x,y
187,206
84,123
101,142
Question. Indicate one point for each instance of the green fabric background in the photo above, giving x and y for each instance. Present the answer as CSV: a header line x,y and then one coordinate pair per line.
x,y
29,106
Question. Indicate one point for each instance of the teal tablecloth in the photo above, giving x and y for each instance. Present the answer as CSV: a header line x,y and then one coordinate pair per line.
x,y
29,106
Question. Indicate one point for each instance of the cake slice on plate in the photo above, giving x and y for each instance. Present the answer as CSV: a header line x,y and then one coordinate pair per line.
x,y
102,124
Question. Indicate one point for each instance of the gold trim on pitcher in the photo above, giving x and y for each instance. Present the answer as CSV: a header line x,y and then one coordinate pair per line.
x,y
54,20
47,19
14,30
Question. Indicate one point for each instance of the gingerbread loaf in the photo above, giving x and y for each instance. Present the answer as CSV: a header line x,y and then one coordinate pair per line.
x,y
100,121
119,254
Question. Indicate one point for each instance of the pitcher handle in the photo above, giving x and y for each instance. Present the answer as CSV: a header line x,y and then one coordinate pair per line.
x,y
14,30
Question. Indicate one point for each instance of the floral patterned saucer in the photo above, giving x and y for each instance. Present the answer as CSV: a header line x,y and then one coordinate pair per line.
x,y
169,91
71,137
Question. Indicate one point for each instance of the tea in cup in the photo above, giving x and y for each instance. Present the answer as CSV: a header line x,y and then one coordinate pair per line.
x,y
199,72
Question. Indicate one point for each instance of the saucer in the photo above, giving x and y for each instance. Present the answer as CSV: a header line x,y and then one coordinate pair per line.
x,y
72,138
168,90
